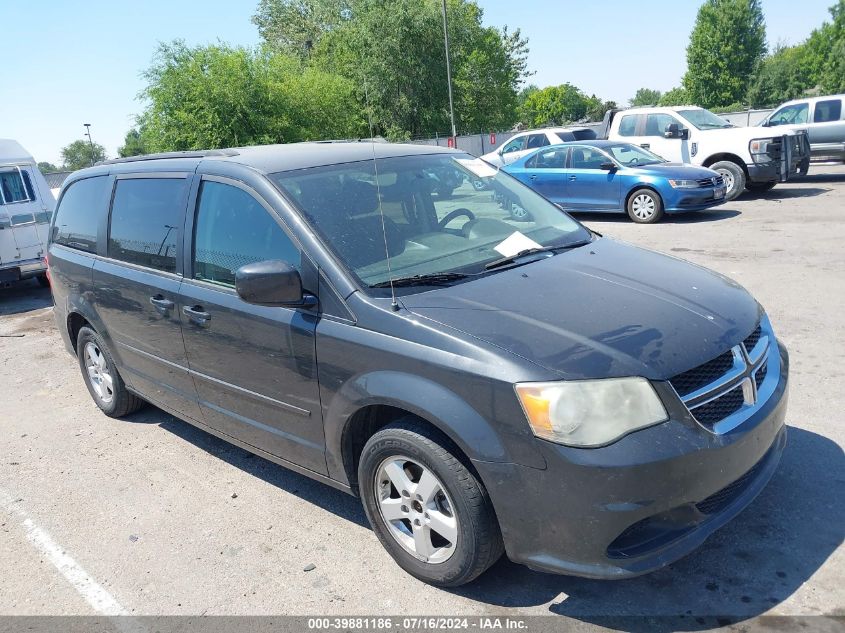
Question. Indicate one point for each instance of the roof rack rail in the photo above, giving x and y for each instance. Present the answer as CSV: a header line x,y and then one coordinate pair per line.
x,y
185,154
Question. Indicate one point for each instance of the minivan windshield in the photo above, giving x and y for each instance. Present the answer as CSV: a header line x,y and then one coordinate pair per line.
x,y
704,119
443,213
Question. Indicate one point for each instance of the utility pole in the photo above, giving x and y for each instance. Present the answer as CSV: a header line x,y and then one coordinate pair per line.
x,y
449,72
90,142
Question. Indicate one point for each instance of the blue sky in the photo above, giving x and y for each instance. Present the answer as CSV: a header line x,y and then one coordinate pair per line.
x,y
68,63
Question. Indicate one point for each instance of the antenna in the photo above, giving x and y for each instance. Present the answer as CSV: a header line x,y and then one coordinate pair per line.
x,y
393,303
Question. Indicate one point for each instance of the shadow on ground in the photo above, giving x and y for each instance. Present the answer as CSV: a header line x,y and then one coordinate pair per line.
x,y
749,566
24,296
691,217
785,192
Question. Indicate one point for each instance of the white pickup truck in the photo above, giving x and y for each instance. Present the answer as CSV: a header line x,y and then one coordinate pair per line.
x,y
746,157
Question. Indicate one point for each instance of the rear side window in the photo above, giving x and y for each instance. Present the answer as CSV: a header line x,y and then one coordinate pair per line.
x,y
828,111
628,125
79,214
537,140
145,218
15,186
233,229
584,135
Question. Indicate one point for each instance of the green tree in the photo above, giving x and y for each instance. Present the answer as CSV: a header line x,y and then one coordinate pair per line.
x,y
596,108
645,97
46,168
80,154
133,144
219,96
675,97
831,72
296,26
554,105
726,45
782,76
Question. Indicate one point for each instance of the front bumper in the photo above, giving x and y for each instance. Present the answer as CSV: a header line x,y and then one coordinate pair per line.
x,y
639,504
694,199
792,153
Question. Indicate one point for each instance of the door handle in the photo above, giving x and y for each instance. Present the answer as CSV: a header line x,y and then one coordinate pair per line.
x,y
161,304
573,178
645,145
197,314
533,176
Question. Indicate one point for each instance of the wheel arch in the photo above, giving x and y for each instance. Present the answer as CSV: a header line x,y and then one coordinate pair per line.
x,y
637,187
726,156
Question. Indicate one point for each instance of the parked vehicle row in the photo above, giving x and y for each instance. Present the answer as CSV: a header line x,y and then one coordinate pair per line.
x,y
822,117
26,205
484,383
519,145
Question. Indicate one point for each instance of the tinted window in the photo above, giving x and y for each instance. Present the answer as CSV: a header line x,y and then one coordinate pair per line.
x,y
551,159
145,217
828,111
537,140
796,113
628,125
584,135
15,186
232,230
655,124
515,145
79,214
586,158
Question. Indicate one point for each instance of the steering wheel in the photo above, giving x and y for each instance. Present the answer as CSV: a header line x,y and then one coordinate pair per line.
x,y
634,161
455,214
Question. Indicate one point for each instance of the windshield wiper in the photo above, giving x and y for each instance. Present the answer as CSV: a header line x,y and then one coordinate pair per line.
x,y
504,261
433,279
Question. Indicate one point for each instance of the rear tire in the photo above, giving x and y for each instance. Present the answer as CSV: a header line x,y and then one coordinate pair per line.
x,y
446,536
101,376
645,206
733,175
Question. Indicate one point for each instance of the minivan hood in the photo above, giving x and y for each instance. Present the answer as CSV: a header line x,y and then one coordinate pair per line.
x,y
602,310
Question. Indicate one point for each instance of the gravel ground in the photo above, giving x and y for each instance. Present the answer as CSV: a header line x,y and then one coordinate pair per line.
x,y
149,515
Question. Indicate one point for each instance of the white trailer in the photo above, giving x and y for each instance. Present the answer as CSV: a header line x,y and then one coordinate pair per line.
x,y
26,206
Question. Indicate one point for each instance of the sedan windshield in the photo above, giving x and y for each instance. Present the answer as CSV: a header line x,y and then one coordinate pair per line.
x,y
442,213
631,155
704,119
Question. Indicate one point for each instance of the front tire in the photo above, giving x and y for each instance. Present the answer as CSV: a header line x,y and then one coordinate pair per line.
x,y
430,512
734,177
101,376
645,206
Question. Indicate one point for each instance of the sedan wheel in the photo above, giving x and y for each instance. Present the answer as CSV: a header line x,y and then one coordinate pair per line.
x,y
645,206
416,509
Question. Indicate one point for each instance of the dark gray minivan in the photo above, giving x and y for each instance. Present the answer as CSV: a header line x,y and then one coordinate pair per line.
x,y
485,384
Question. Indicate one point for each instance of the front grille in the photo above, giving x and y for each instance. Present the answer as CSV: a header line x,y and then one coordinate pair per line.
x,y
711,182
722,499
715,410
698,377
752,339
761,374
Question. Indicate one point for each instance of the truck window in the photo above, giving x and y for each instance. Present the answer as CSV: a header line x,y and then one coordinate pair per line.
x,y
628,125
515,145
828,111
796,113
15,186
145,218
655,124
78,214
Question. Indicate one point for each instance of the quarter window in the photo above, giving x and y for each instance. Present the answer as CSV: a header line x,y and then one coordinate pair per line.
x,y
145,219
233,229
828,111
628,125
79,212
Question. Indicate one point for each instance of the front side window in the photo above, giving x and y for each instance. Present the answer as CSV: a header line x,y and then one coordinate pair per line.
x,y
628,125
79,212
233,229
796,113
362,217
15,186
145,219
826,111
515,145
655,124
584,157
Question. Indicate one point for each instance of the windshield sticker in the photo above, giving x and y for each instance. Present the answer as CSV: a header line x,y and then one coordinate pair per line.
x,y
515,244
479,167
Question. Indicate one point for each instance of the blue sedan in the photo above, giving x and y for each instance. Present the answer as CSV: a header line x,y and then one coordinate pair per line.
x,y
608,176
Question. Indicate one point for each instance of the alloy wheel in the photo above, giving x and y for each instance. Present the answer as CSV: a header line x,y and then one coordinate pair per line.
x,y
101,379
416,509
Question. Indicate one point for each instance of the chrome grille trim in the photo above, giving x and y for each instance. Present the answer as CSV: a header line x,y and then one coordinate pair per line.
x,y
756,371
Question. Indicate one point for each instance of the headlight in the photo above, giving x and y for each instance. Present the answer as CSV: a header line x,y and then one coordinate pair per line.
x,y
760,145
684,184
589,413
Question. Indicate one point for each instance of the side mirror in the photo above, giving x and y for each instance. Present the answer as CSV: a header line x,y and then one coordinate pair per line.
x,y
272,283
608,166
673,130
